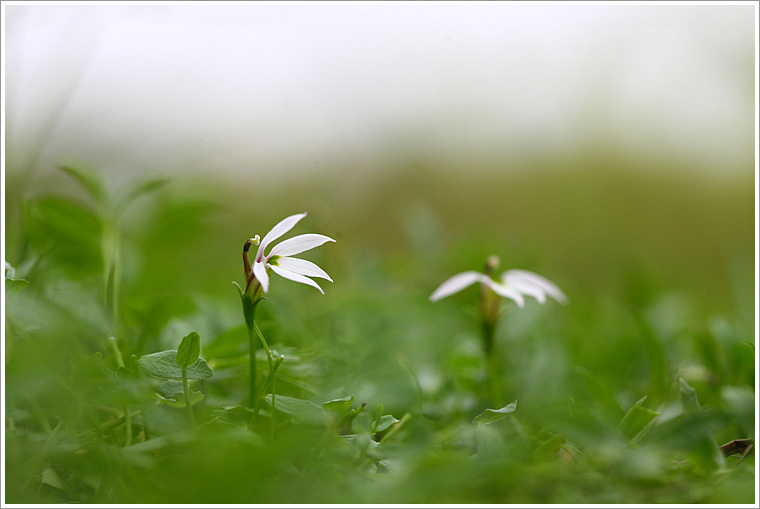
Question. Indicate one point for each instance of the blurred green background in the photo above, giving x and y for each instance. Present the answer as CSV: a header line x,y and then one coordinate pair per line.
x,y
658,266
639,204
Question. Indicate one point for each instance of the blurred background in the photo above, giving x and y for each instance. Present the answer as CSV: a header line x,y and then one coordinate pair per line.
x,y
610,148
263,89
591,135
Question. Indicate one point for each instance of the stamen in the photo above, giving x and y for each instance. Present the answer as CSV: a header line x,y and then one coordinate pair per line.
x,y
253,240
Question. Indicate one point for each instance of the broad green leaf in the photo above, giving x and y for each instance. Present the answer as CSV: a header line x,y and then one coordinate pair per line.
x,y
635,419
385,422
164,365
189,350
88,179
179,401
491,415
169,389
689,400
236,415
300,409
339,406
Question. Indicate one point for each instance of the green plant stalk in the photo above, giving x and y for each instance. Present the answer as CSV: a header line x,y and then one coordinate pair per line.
x,y
251,368
493,379
490,303
492,361
269,382
127,410
111,249
249,314
186,390
271,376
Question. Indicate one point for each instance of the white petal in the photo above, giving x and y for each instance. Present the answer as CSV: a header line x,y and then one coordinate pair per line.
x,y
522,286
299,244
530,283
303,267
278,231
298,278
457,283
507,291
260,271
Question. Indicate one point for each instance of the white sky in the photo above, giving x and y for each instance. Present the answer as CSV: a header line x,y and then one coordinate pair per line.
x,y
244,87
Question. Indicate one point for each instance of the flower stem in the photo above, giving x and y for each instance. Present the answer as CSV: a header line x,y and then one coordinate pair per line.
x,y
249,313
186,390
251,368
493,379
271,374
492,361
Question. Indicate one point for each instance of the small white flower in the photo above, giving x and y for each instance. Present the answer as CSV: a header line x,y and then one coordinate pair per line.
x,y
513,285
279,258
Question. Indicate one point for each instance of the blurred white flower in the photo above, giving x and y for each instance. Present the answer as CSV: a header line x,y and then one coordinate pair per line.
x,y
514,284
279,258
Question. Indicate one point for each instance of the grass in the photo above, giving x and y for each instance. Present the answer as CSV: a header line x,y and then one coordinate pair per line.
x,y
623,396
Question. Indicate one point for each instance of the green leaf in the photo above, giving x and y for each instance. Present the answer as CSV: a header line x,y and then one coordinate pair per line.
x,y
72,231
339,406
689,400
164,365
189,350
10,272
236,415
88,179
300,409
491,415
52,478
179,402
547,448
385,422
13,286
139,190
169,389
636,419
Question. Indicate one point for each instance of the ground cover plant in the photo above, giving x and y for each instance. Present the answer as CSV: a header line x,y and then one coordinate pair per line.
x,y
154,355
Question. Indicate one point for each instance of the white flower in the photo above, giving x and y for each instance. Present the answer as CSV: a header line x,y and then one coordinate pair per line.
x,y
514,284
279,258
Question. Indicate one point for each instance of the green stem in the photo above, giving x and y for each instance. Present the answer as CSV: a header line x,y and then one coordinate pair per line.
x,y
493,379
271,374
127,410
251,368
492,361
249,314
186,390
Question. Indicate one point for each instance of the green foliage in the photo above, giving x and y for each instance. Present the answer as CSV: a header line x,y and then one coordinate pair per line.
x,y
626,394
13,285
165,365
189,350
491,415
